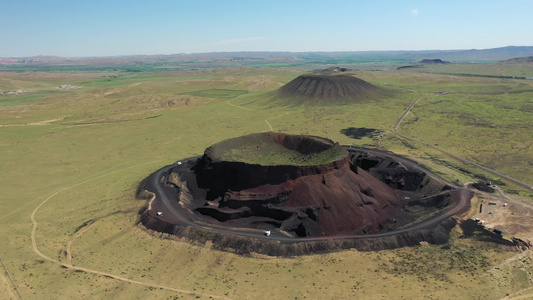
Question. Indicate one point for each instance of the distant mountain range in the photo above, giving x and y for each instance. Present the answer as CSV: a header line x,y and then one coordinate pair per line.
x,y
287,58
494,54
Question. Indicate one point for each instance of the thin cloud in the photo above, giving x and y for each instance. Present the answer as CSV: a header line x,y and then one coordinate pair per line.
x,y
414,12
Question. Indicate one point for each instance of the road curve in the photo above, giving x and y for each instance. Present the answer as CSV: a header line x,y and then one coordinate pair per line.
x,y
69,265
395,129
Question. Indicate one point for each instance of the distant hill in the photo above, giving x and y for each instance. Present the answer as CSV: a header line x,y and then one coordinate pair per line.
x,y
138,63
515,68
519,60
494,54
434,61
332,70
327,89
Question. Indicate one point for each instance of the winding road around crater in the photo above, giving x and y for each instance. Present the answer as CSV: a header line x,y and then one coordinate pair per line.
x,y
170,211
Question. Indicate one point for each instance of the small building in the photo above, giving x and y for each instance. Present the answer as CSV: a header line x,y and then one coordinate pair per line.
x,y
497,231
492,203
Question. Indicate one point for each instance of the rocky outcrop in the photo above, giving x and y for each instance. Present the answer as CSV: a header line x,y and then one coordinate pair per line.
x,y
226,176
329,203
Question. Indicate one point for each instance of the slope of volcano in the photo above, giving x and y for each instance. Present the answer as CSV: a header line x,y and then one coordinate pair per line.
x,y
324,89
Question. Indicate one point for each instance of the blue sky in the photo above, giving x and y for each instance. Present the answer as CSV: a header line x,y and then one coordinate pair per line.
x,y
108,28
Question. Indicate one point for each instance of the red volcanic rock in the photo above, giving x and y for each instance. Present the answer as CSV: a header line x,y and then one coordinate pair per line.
x,y
328,196
338,201
299,186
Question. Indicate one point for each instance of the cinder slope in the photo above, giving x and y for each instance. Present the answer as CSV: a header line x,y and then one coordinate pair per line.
x,y
324,89
329,197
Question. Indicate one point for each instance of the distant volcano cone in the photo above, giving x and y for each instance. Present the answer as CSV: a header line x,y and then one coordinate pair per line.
x,y
320,89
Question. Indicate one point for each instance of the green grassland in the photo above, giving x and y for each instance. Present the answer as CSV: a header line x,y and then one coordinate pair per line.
x,y
260,149
487,121
509,69
72,161
218,93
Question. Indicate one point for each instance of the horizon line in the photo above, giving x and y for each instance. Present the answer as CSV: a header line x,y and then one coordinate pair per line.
x,y
255,51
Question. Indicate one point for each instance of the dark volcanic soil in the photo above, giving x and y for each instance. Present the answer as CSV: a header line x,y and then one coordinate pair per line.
x,y
311,200
312,89
344,193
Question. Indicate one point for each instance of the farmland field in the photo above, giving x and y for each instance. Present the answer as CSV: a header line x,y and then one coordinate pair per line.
x,y
72,160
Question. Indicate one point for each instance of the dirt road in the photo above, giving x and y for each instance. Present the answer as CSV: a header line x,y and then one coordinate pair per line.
x,y
69,265
395,129
173,213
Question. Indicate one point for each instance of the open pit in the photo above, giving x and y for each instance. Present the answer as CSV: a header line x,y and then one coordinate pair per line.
x,y
300,189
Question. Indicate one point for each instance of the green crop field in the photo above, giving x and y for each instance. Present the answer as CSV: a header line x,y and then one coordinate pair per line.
x,y
72,160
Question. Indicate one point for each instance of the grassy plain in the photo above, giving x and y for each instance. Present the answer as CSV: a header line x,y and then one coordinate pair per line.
x,y
72,160
508,68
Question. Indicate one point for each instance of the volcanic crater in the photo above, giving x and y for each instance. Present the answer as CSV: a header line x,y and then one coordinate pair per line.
x,y
298,188
302,185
